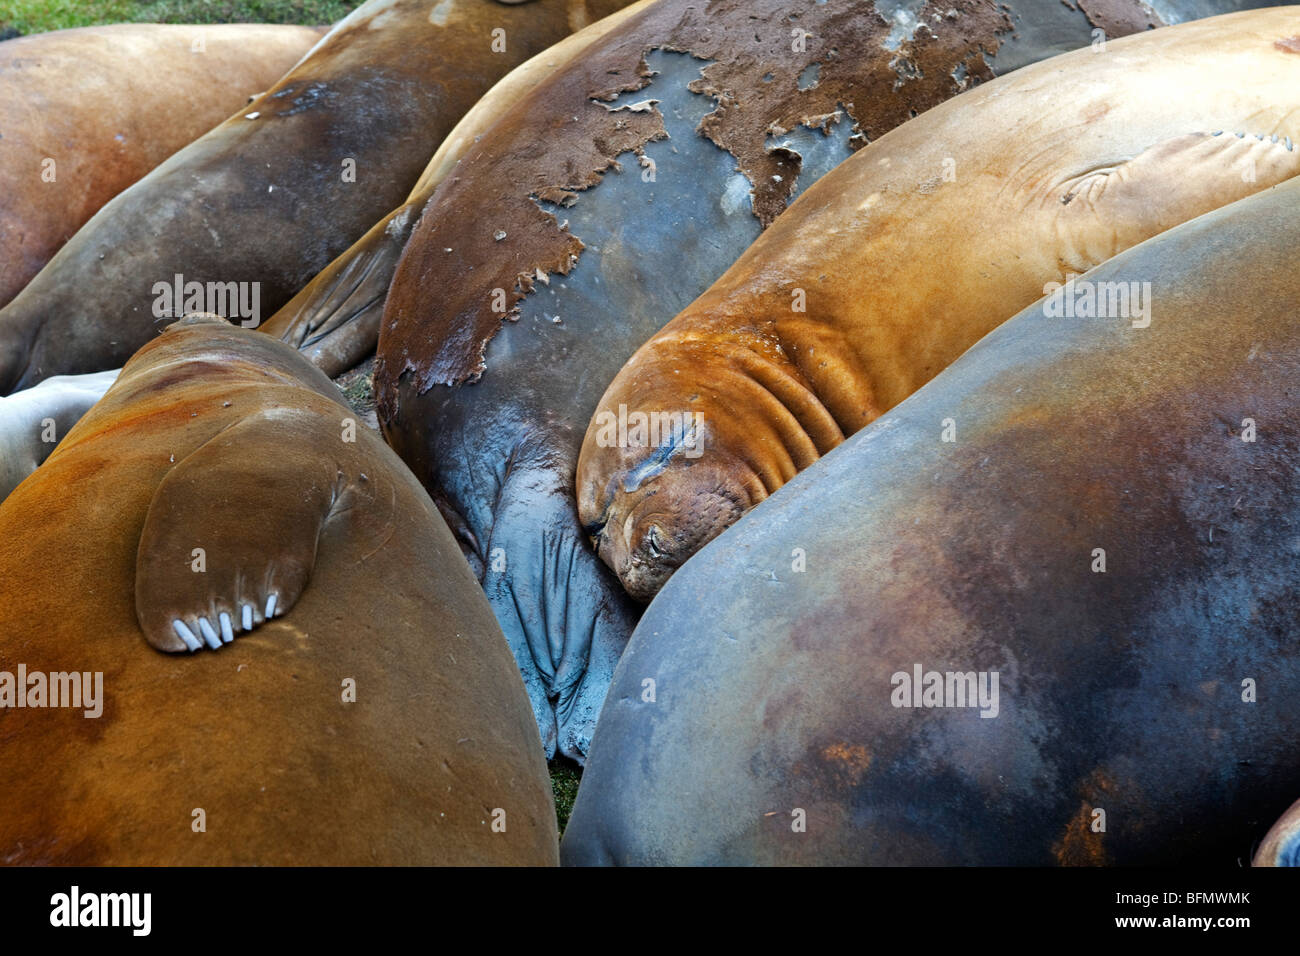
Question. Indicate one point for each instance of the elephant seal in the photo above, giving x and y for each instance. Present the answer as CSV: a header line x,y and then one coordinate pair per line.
x,y
259,205
334,320
86,112
534,273
34,420
1066,636
362,707
890,267
1281,846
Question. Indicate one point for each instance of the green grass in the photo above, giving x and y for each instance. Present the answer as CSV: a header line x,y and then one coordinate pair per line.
x,y
37,16
564,784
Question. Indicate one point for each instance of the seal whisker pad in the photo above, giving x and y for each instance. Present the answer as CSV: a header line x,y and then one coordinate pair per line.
x,y
223,547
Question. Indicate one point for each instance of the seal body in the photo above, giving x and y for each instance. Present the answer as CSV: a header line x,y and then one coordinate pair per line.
x,y
334,319
268,198
891,266
590,214
1281,845
86,112
1113,534
34,420
370,713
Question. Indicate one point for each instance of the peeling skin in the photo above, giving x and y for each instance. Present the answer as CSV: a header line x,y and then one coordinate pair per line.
x,y
755,81
1119,690
1117,18
901,270
334,319
498,451
1081,844
264,200
747,41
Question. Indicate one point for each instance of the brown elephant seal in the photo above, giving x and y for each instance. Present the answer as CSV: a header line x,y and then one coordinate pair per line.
x,y
34,420
890,267
1281,845
259,205
1066,636
86,112
362,707
493,355
334,320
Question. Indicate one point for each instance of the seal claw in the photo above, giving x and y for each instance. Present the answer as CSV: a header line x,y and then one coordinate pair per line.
x,y
227,634
186,635
209,634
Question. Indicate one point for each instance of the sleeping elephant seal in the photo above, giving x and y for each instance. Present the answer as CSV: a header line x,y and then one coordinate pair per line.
x,y
263,202
334,319
1281,846
898,261
534,274
358,704
84,113
1068,635
34,420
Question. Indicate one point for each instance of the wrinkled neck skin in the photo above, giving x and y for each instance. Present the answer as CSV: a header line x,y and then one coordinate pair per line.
x,y
659,477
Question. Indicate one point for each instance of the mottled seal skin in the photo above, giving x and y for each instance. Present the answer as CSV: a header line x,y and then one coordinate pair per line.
x,y
1281,846
108,104
773,655
223,439
890,267
716,123
270,195
334,320
34,420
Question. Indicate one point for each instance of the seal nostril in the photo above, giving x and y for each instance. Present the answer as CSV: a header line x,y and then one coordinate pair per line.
x,y
652,540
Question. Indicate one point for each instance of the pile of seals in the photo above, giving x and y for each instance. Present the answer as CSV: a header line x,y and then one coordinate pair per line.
x,y
927,368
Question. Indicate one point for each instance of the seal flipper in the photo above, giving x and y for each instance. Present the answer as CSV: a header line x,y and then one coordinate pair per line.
x,y
334,320
576,712
564,614
254,499
17,328
1167,184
